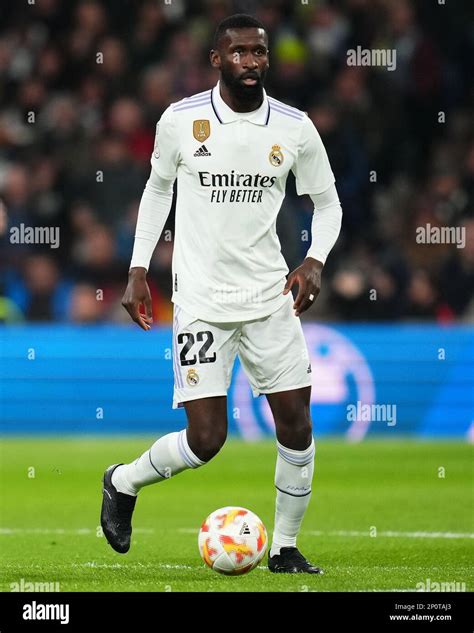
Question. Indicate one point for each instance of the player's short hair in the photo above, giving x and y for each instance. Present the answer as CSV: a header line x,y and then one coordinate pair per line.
x,y
237,21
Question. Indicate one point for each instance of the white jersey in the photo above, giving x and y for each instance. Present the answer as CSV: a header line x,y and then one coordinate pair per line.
x,y
232,169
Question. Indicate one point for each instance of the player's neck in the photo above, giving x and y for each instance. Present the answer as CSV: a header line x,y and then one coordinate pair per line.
x,y
236,104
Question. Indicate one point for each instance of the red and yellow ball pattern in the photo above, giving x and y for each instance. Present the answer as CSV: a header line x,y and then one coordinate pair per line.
x,y
232,541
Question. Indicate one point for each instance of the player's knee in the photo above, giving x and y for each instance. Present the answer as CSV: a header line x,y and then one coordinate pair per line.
x,y
207,441
295,431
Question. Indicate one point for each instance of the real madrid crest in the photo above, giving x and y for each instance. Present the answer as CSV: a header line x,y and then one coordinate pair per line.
x,y
276,157
192,377
201,129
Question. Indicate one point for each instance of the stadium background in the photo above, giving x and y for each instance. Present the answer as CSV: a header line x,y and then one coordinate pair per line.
x,y
82,387
98,75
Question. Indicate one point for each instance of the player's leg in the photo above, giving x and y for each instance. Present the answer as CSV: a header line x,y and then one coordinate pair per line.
x,y
171,454
293,476
275,357
175,452
168,456
207,426
202,355
291,412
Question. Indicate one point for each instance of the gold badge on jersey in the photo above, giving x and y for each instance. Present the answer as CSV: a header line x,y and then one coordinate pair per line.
x,y
192,377
276,157
201,130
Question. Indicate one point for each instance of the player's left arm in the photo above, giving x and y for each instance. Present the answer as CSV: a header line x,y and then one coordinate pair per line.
x,y
314,176
325,229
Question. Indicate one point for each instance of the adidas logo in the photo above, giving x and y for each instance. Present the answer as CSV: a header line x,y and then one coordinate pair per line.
x,y
244,529
202,151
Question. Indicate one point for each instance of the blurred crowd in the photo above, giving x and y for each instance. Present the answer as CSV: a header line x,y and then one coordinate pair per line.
x,y
83,83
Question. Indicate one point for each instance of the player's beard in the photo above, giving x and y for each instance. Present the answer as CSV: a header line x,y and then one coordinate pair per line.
x,y
242,92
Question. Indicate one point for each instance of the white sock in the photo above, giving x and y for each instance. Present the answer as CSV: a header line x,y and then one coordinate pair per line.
x,y
167,457
293,477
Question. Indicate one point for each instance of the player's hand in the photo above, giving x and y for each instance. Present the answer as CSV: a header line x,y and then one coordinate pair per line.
x,y
308,278
138,293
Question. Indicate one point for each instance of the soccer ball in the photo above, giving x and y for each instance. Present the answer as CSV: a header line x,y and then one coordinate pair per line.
x,y
232,541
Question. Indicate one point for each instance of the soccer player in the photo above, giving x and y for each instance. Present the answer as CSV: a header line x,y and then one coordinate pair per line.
x,y
231,149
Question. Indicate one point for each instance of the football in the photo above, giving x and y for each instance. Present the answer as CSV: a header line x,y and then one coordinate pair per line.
x,y
232,541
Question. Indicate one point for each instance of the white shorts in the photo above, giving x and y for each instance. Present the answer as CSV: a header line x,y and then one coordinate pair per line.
x,y
272,351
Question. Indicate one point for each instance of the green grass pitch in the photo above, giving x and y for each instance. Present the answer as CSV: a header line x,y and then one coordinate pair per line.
x,y
423,522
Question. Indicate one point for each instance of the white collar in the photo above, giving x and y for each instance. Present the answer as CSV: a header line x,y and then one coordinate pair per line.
x,y
227,115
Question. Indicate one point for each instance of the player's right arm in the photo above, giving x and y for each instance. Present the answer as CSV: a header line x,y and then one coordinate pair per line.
x,y
153,212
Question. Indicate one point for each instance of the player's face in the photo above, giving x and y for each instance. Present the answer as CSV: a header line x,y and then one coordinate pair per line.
x,y
242,58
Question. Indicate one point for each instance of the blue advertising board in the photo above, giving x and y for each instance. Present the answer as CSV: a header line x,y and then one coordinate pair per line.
x,y
389,380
